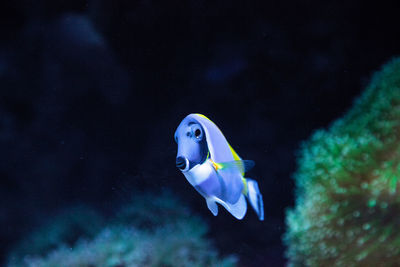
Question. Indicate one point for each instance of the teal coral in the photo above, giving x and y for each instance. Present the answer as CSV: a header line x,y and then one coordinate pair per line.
x,y
347,183
65,227
151,231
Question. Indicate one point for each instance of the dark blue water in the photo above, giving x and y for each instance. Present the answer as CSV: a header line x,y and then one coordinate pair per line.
x,y
91,93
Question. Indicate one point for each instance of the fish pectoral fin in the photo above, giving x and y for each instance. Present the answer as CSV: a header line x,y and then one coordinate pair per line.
x,y
212,206
236,165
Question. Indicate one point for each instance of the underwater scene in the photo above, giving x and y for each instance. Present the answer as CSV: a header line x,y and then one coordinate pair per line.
x,y
199,133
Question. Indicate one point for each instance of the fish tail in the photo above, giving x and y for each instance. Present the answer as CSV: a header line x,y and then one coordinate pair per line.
x,y
252,192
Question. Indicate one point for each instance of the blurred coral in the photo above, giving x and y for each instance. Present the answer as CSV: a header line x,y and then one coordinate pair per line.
x,y
66,227
151,231
348,194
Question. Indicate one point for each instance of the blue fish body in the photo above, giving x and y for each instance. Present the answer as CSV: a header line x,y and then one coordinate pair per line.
x,y
214,169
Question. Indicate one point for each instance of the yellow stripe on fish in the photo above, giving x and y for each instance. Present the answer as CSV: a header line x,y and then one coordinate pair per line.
x,y
245,188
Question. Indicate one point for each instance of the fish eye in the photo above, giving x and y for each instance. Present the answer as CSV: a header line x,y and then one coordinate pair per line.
x,y
197,132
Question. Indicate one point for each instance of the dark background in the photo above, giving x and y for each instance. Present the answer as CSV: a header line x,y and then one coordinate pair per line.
x,y
91,93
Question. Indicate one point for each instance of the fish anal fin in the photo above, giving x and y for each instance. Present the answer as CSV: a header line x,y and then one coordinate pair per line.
x,y
238,210
212,206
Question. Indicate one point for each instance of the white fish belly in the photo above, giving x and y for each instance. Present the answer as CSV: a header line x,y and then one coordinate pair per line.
x,y
199,173
205,180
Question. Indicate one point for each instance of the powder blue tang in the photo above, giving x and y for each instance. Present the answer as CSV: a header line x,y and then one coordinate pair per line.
x,y
214,169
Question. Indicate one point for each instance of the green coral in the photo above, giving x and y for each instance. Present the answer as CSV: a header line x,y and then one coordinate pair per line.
x,y
65,227
347,183
153,230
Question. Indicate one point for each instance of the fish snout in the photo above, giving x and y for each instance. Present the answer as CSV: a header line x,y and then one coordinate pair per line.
x,y
181,163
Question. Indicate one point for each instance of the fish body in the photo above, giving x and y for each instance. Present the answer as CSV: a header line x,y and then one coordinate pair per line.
x,y
214,169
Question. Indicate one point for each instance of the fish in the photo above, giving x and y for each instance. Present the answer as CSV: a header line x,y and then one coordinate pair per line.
x,y
214,169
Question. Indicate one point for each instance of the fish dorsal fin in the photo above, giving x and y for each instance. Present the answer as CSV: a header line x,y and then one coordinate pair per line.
x,y
201,115
235,155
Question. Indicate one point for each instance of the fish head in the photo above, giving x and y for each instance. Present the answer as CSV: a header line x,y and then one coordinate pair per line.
x,y
192,144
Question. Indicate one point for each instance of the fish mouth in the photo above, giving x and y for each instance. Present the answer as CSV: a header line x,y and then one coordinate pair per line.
x,y
182,163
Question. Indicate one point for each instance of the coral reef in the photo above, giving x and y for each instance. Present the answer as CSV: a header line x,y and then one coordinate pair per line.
x,y
347,184
67,227
150,231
